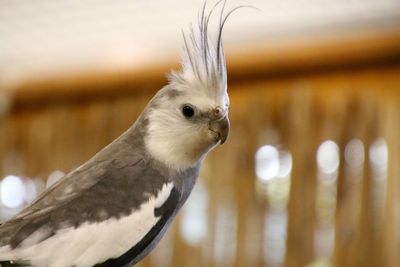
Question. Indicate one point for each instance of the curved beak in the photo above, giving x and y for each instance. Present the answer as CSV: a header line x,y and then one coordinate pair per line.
x,y
221,128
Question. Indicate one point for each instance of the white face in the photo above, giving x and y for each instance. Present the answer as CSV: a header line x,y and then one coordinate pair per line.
x,y
179,133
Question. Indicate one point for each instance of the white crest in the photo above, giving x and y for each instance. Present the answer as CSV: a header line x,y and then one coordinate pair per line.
x,y
203,59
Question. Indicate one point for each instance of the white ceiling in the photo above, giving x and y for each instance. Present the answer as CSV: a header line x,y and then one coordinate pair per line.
x,y
45,36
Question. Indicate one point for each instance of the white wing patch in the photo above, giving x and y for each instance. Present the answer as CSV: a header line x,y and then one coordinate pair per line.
x,y
163,195
90,243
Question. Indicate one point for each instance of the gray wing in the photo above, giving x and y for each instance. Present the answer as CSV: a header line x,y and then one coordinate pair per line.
x,y
116,154
95,192
65,190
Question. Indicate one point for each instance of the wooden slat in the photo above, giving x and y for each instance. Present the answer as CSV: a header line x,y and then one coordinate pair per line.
x,y
257,60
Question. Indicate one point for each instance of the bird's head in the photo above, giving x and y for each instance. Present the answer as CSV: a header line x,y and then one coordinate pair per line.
x,y
189,116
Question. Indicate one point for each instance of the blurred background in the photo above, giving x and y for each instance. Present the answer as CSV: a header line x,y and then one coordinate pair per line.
x,y
310,175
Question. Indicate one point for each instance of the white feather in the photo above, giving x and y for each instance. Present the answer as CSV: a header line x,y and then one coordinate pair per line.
x,y
176,141
186,142
90,243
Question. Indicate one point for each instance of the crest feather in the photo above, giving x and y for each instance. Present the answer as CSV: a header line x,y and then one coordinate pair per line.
x,y
203,59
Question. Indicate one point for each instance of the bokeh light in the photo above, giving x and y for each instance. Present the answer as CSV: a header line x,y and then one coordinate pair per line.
x,y
328,157
13,191
267,162
378,156
271,162
31,190
285,163
54,177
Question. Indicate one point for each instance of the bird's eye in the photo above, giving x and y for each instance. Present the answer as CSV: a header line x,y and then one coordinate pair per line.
x,y
187,111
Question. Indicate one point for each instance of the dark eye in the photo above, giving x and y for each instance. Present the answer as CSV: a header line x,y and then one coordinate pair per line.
x,y
187,111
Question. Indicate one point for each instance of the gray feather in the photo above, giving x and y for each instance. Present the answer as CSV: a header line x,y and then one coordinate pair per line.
x,y
99,192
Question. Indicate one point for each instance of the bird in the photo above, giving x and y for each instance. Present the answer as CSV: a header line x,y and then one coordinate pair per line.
x,y
115,208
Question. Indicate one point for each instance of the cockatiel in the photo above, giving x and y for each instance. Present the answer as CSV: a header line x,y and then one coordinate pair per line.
x,y
115,208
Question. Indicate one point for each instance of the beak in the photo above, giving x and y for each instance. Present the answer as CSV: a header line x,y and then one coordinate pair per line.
x,y
221,128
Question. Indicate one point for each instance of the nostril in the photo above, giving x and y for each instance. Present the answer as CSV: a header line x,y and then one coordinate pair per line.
x,y
218,111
